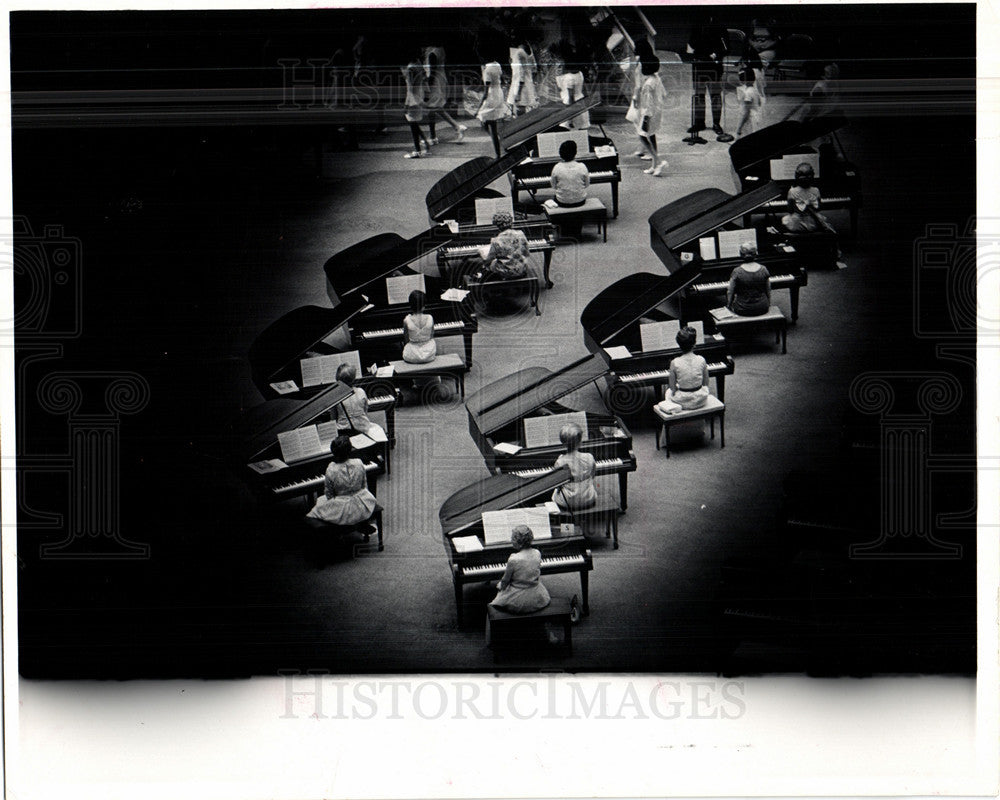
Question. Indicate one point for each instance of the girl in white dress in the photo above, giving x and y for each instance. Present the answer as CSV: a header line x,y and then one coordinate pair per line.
x,y
493,107
687,379
437,93
652,99
580,492
418,332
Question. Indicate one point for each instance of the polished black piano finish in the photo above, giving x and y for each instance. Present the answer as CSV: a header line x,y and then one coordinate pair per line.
x,y
839,180
516,132
362,268
454,195
461,515
378,333
498,410
306,478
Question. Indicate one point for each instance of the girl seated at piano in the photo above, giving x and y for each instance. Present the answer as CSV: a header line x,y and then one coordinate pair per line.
x,y
749,292
580,492
520,590
345,499
687,378
418,332
352,413
803,204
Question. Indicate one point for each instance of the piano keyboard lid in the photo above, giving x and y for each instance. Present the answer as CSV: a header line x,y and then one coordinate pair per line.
x,y
496,493
623,303
289,338
527,126
462,183
529,391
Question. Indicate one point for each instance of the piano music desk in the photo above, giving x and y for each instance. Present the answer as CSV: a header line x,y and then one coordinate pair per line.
x,y
511,632
592,212
773,320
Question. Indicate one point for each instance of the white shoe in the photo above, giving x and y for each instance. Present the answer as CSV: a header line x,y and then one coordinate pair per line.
x,y
656,172
433,141
646,157
414,154
461,133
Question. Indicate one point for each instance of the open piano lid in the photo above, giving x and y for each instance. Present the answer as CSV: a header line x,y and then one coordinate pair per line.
x,y
353,270
625,302
518,395
775,140
289,338
496,493
258,427
527,126
462,183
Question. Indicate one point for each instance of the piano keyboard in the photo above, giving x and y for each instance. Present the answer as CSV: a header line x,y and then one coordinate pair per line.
x,y
468,250
607,465
824,201
777,282
390,332
545,180
313,483
661,374
380,402
489,571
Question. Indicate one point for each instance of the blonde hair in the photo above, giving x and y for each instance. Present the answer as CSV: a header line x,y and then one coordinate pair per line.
x,y
346,374
521,537
571,435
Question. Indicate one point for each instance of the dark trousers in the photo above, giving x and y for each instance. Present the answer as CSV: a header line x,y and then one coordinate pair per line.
x,y
707,79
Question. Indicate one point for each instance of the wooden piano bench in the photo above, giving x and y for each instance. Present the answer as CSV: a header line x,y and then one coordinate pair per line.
x,y
483,290
606,510
592,212
515,632
450,365
322,536
713,408
773,320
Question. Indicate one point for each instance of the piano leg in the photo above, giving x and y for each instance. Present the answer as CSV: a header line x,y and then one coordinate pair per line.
x,y
547,260
720,387
623,490
390,425
467,341
614,203
793,294
458,601
585,591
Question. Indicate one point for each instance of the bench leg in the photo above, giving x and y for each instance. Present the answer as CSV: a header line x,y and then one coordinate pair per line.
x,y
614,527
711,427
666,439
547,261
378,527
722,429
604,229
585,591
784,339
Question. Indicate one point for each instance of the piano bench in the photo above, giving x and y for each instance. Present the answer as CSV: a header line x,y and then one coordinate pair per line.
x,y
713,408
592,212
322,534
450,365
606,510
512,632
773,320
483,290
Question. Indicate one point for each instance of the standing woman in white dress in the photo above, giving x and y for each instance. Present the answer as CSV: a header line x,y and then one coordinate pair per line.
x,y
494,107
437,93
652,99
522,77
570,83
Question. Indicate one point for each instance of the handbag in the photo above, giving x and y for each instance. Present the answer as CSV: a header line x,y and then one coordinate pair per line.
x,y
632,115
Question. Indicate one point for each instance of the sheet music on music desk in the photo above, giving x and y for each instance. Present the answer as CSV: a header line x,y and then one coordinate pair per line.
x,y
398,288
706,248
549,143
299,444
486,207
783,169
544,431
659,335
497,525
327,432
730,241
319,370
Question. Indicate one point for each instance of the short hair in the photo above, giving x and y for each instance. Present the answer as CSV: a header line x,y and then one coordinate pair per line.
x,y
346,373
417,299
831,71
502,220
686,337
804,170
650,66
567,150
341,449
748,250
571,436
521,537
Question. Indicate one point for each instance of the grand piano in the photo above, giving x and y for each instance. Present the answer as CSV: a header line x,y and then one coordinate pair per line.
x,y
497,414
839,180
613,318
534,173
461,516
358,275
453,197
276,353
676,231
258,430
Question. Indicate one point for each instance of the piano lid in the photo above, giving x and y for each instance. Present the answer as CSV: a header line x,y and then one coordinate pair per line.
x,y
516,396
289,338
259,426
360,265
735,208
624,302
527,126
462,183
496,493
775,140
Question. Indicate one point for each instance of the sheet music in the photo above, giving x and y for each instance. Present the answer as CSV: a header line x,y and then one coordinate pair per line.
x,y
398,289
706,245
549,143
486,207
497,525
783,169
270,465
544,431
730,241
466,544
285,387
320,370
619,351
327,432
300,444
